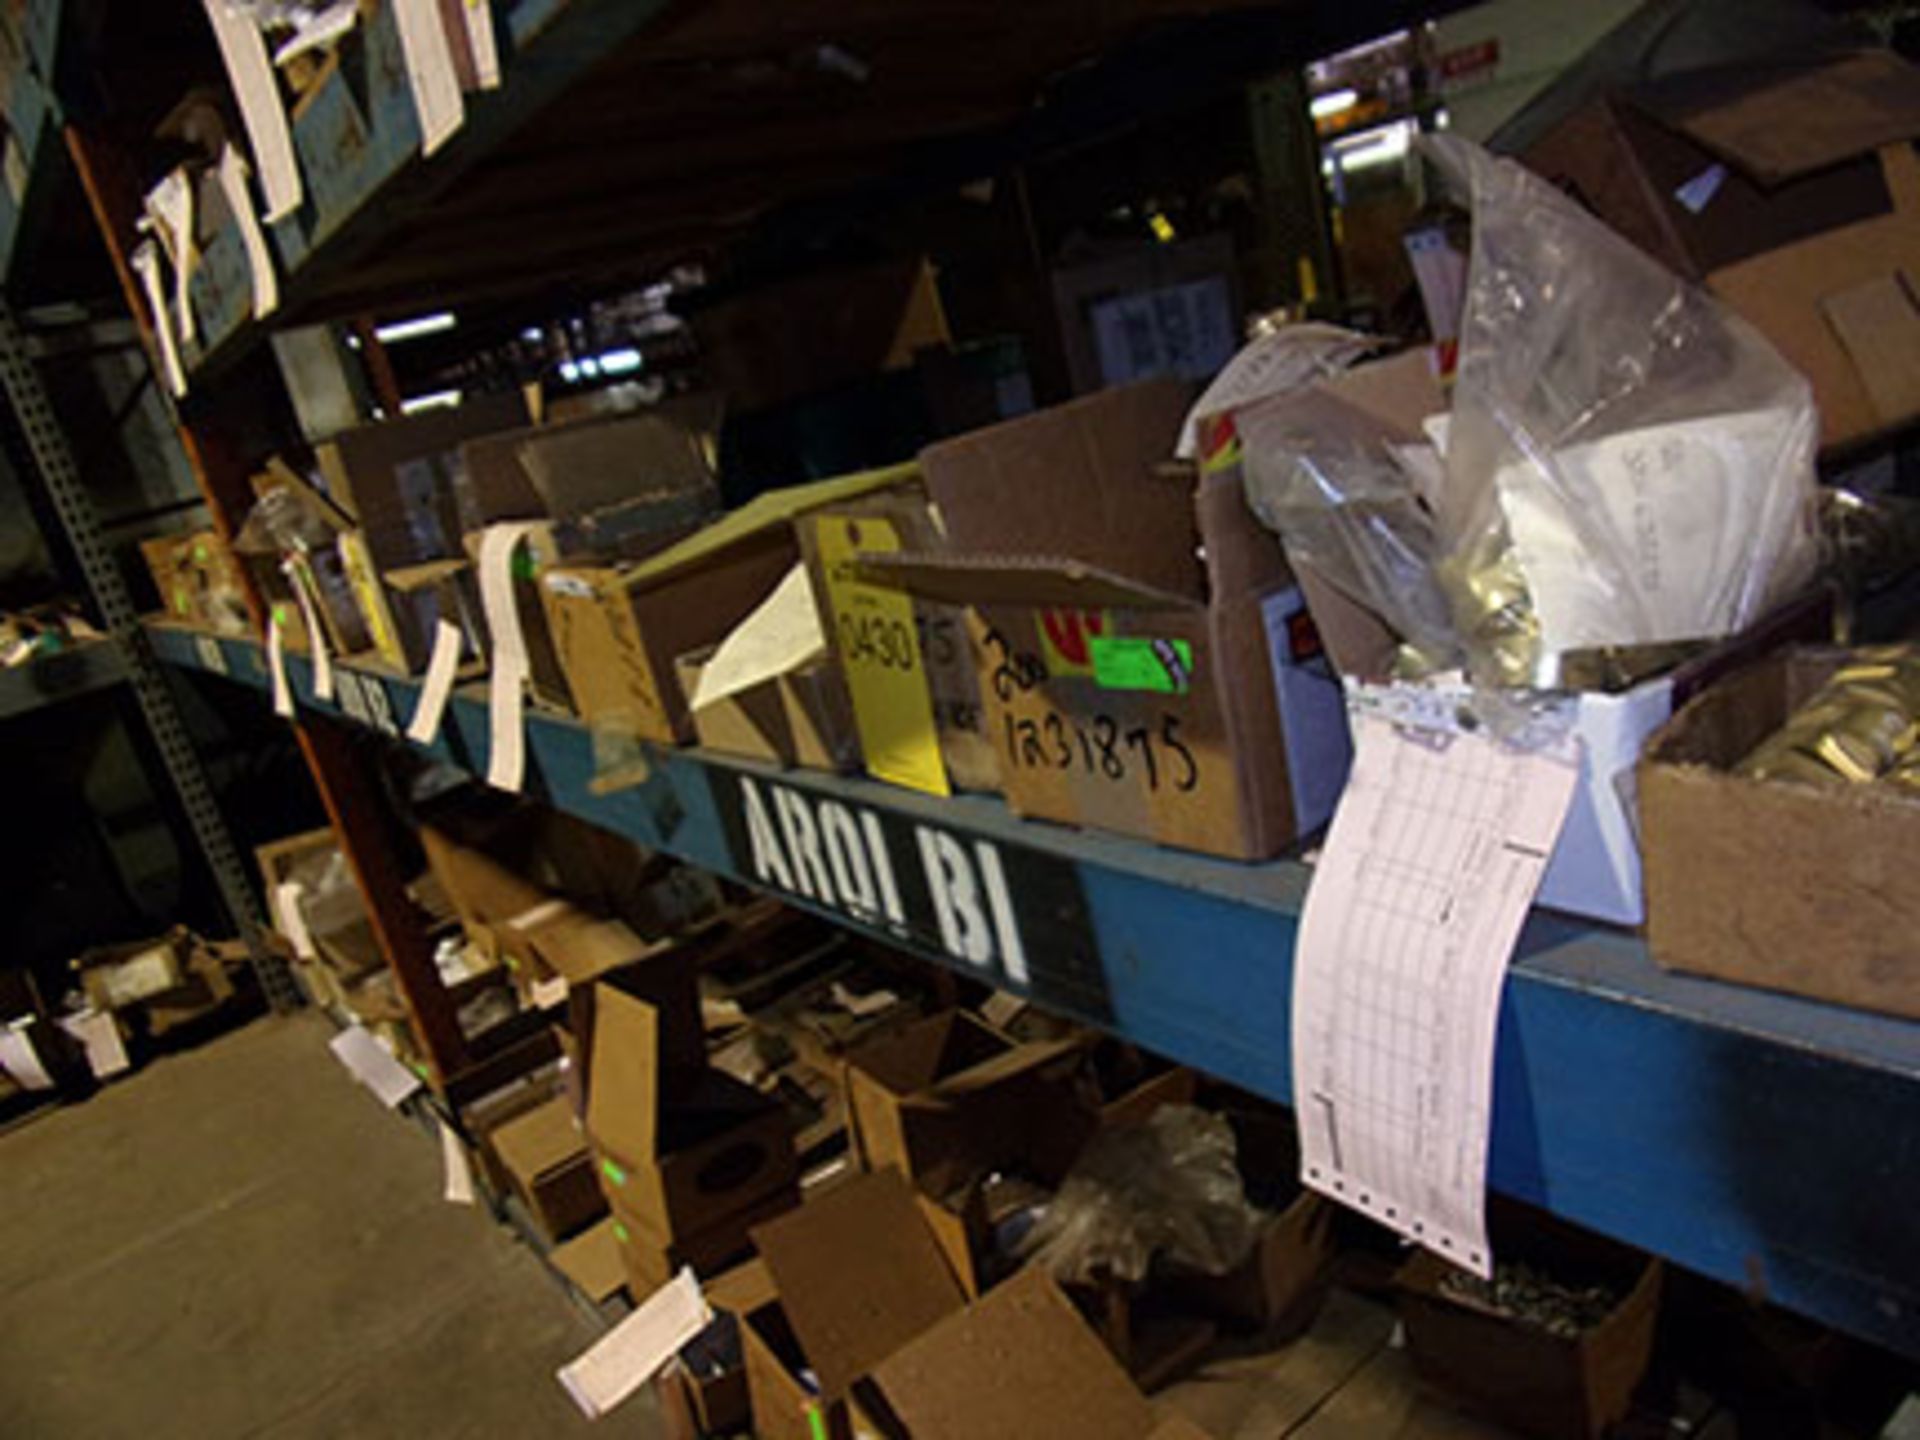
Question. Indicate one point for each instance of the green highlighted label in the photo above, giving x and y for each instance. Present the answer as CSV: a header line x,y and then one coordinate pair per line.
x,y
1131,663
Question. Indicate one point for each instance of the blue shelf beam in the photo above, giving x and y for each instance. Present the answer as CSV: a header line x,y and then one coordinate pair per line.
x,y
1768,1142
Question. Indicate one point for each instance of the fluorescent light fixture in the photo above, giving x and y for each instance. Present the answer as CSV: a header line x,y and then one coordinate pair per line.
x,y
437,400
1334,102
620,362
530,334
413,329
569,371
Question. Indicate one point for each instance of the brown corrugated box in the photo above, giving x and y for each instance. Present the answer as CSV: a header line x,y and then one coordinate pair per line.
x,y
1792,190
544,1156
591,1262
1836,917
618,629
1070,537
947,1097
802,717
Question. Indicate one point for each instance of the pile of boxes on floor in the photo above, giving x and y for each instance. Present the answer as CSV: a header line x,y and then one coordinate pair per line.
x,y
125,997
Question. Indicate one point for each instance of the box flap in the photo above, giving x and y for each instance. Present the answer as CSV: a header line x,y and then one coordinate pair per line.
x,y
541,1140
1078,480
1019,1362
859,1275
424,577
591,464
1794,116
746,1287
772,510
1020,1060
1048,582
580,947
591,1260
623,1099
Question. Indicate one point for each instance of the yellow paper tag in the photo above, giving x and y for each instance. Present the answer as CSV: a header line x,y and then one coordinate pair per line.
x,y
880,654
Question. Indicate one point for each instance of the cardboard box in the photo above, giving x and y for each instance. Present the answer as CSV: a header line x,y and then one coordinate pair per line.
x,y
569,470
545,1159
802,717
591,1262
486,1113
718,1148
1540,1384
618,629
199,581
1128,684
947,1097
1835,917
858,1275
707,1386
650,1259
1018,1362
1811,231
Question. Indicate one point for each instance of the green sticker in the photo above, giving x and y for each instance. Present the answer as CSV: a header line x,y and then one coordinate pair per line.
x,y
182,601
1130,663
525,567
613,1172
280,616
620,1233
200,554
817,1422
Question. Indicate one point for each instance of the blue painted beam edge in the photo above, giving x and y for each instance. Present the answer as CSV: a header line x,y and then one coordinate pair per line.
x,y
1768,1142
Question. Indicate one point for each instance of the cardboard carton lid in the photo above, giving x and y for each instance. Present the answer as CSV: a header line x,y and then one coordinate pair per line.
x,y
1019,1362
623,1099
1042,581
543,1139
580,947
744,1288
1787,119
591,1260
765,513
859,1274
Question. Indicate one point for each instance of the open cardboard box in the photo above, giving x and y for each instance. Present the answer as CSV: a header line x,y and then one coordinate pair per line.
x,y
1595,870
1128,682
650,1259
947,1098
1836,916
800,717
1810,230
676,1167
705,1391
545,1159
619,628
1541,1384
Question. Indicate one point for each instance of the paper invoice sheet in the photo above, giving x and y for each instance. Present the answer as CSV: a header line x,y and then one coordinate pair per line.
x,y
1416,904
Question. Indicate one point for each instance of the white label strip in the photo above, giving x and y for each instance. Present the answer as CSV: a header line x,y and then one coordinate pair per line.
x,y
20,1060
266,280
277,668
146,263
506,686
1429,868
430,72
482,42
170,206
453,1157
628,1355
291,921
435,690
322,657
100,1033
250,71
373,1065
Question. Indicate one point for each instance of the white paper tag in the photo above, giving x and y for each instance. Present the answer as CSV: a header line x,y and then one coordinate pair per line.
x,y
1416,903
316,637
459,1170
233,184
20,1060
146,263
482,42
170,208
507,684
430,72
250,71
442,665
629,1355
550,994
291,921
277,669
100,1033
373,1065
212,657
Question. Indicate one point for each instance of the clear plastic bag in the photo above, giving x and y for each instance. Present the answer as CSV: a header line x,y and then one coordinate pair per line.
x,y
1626,463
1169,1189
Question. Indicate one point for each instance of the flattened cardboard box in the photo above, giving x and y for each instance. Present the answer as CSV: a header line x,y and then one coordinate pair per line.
x,y
618,629
1837,915
1809,230
1127,686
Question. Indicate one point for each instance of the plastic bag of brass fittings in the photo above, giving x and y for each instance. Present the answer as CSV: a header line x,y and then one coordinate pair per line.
x,y
1169,1189
1861,727
1628,463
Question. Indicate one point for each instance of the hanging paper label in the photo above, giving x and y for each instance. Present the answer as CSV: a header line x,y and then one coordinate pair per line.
x,y
507,685
442,665
277,666
430,71
322,657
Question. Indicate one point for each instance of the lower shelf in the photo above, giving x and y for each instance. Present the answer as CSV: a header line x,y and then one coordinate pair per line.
x,y
1765,1141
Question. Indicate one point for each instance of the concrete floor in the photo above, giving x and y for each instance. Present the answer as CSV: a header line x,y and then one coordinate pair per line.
x,y
239,1241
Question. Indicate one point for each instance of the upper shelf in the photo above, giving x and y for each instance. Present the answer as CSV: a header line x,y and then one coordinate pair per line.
x,y
50,679
1763,1140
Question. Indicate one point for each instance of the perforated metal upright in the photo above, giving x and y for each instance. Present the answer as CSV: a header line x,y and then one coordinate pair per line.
x,y
59,477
